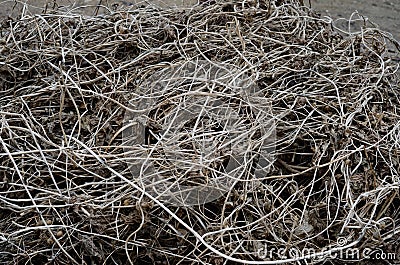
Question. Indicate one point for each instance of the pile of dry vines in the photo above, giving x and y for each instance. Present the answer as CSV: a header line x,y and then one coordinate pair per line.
x,y
68,193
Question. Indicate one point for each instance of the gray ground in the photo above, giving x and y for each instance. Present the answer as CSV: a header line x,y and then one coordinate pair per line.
x,y
384,13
